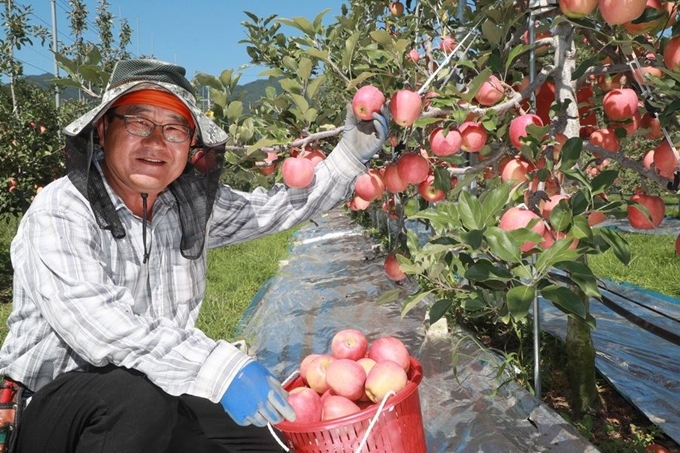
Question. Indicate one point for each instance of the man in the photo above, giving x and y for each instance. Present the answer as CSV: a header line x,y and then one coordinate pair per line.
x,y
110,266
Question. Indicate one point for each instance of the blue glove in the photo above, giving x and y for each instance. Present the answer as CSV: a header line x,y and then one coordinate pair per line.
x,y
363,139
255,397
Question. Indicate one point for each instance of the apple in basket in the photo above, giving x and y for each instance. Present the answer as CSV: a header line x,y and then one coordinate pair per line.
x,y
385,376
336,406
390,348
316,373
306,403
346,377
349,344
304,365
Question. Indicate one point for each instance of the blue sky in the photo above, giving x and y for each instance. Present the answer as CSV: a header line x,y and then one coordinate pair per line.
x,y
201,35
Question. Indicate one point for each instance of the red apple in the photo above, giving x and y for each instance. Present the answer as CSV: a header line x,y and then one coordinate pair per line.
x,y
366,363
518,127
393,183
316,373
616,12
358,204
620,104
429,192
204,161
369,186
677,247
304,365
447,44
515,170
306,403
550,204
405,107
652,126
413,168
641,28
413,55
445,142
385,376
577,9
349,344
336,406
346,377
665,161
315,155
366,101
390,348
596,217
606,139
392,268
490,92
397,8
297,172
515,218
473,136
640,220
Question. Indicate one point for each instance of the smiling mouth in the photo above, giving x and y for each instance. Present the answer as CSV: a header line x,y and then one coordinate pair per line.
x,y
152,161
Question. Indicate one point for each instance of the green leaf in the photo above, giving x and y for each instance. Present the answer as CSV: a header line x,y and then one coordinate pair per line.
x,y
412,301
501,245
493,201
304,69
208,80
561,216
603,181
519,300
571,153
492,32
484,270
470,210
581,274
382,37
359,79
235,110
585,65
300,102
473,238
515,53
618,244
290,86
390,296
559,251
439,309
314,86
580,228
301,23
565,299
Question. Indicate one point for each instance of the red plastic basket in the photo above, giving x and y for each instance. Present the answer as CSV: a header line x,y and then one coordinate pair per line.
x,y
398,429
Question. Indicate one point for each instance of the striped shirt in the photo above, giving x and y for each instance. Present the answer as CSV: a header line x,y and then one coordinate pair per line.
x,y
82,297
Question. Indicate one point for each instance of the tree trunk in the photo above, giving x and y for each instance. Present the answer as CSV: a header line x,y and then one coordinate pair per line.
x,y
581,364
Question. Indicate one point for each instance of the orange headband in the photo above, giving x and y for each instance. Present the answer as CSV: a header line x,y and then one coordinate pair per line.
x,y
157,98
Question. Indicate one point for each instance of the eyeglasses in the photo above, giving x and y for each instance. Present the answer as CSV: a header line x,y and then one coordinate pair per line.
x,y
142,127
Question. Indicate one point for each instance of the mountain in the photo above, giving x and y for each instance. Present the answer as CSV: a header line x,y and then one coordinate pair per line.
x,y
251,91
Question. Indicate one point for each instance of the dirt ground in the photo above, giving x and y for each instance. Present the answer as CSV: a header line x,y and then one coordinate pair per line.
x,y
617,426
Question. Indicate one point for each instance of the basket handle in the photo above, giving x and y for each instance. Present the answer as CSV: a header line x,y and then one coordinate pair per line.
x,y
374,420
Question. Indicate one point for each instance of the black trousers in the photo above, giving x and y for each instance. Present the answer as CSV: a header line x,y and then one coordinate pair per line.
x,y
116,410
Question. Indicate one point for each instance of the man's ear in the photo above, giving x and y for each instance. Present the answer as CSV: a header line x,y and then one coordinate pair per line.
x,y
101,129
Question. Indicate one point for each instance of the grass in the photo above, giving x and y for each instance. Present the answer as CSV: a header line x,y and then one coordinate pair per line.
x,y
654,264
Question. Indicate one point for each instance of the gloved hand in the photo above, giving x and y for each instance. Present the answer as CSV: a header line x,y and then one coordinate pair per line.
x,y
365,138
255,397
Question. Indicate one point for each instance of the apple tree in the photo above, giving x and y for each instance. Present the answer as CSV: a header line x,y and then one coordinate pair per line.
x,y
534,120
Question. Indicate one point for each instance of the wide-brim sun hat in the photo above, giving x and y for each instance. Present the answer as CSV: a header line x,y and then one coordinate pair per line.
x,y
138,74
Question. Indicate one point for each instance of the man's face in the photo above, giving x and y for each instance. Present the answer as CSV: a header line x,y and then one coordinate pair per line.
x,y
134,164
